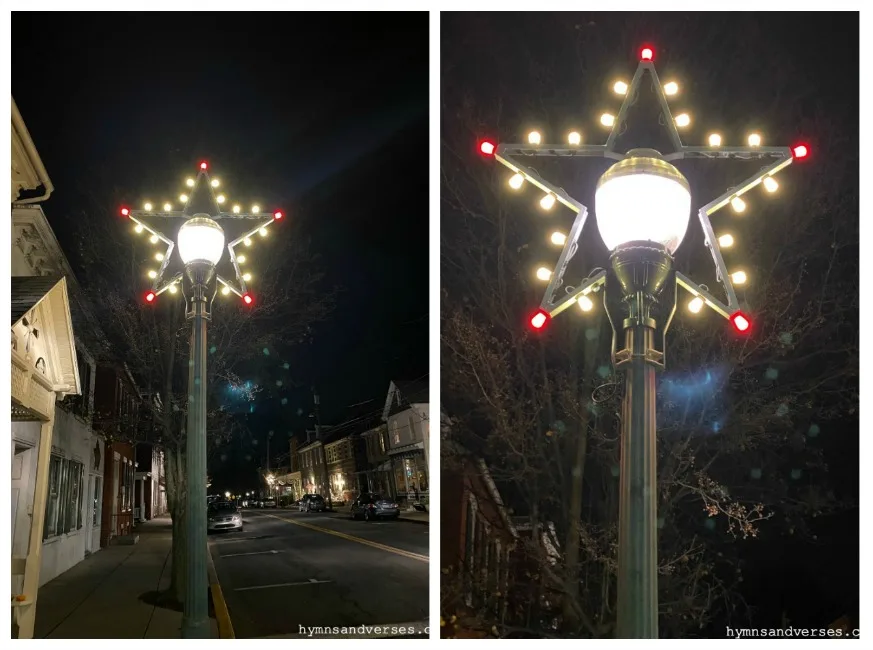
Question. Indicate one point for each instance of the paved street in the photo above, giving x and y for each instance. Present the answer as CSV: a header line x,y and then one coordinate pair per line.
x,y
289,569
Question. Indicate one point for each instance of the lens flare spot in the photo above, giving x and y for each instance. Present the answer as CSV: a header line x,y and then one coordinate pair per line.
x,y
782,410
814,430
755,473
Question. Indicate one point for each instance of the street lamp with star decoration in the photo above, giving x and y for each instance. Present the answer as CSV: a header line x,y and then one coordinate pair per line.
x,y
642,205
199,232
205,201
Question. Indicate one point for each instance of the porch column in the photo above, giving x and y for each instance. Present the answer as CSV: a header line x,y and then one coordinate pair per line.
x,y
405,480
27,607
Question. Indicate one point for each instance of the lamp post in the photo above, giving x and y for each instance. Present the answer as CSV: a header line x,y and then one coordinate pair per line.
x,y
643,205
199,268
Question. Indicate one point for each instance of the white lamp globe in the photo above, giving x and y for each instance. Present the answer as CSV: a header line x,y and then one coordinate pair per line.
x,y
642,198
200,240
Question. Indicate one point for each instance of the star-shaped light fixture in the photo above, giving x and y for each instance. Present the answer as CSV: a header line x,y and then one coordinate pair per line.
x,y
658,170
202,196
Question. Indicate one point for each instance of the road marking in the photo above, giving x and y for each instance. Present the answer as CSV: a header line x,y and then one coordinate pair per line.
x,y
311,581
359,540
252,553
231,541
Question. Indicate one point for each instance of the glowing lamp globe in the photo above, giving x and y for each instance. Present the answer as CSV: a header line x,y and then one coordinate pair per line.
x,y
642,198
200,240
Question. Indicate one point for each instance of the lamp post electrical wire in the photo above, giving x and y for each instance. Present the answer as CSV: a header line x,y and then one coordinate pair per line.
x,y
199,268
643,206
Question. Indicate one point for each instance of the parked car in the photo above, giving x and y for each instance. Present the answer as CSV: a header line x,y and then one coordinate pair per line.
x,y
312,503
223,515
268,503
374,506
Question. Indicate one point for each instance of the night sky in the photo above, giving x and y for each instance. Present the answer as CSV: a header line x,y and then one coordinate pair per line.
x,y
323,115
793,77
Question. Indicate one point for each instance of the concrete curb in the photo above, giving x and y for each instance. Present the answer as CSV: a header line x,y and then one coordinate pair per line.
x,y
222,615
414,521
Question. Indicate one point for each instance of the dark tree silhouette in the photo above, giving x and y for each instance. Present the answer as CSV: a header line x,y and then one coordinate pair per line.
x,y
154,340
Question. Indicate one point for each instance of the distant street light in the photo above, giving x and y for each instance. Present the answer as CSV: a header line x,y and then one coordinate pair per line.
x,y
643,205
199,268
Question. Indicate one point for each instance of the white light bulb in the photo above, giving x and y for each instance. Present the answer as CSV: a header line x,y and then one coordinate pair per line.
x,y
607,120
738,204
225,290
683,120
190,182
574,138
240,258
585,303
543,273
714,140
547,201
220,198
214,182
558,238
620,87
695,305
739,277
754,140
263,232
172,288
148,207
726,241
236,209
247,241
153,239
247,276
256,208
168,207
183,198
159,257
534,137
770,184
153,274
516,181
138,229
671,88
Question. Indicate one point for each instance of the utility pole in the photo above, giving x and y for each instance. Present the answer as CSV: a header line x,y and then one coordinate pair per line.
x,y
316,400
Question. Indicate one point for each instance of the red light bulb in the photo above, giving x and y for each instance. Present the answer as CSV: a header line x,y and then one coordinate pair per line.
x,y
540,319
487,147
647,54
800,151
125,212
150,296
277,215
203,165
247,298
741,322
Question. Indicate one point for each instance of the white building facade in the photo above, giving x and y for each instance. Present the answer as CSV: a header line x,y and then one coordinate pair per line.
x,y
407,417
56,459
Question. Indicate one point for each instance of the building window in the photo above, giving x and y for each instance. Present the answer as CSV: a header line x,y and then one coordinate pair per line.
x,y
396,433
126,486
64,500
382,442
411,422
98,500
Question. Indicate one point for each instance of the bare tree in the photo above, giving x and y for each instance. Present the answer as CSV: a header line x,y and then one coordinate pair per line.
x,y
154,340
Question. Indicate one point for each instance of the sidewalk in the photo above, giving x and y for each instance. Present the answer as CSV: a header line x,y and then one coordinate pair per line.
x,y
107,595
